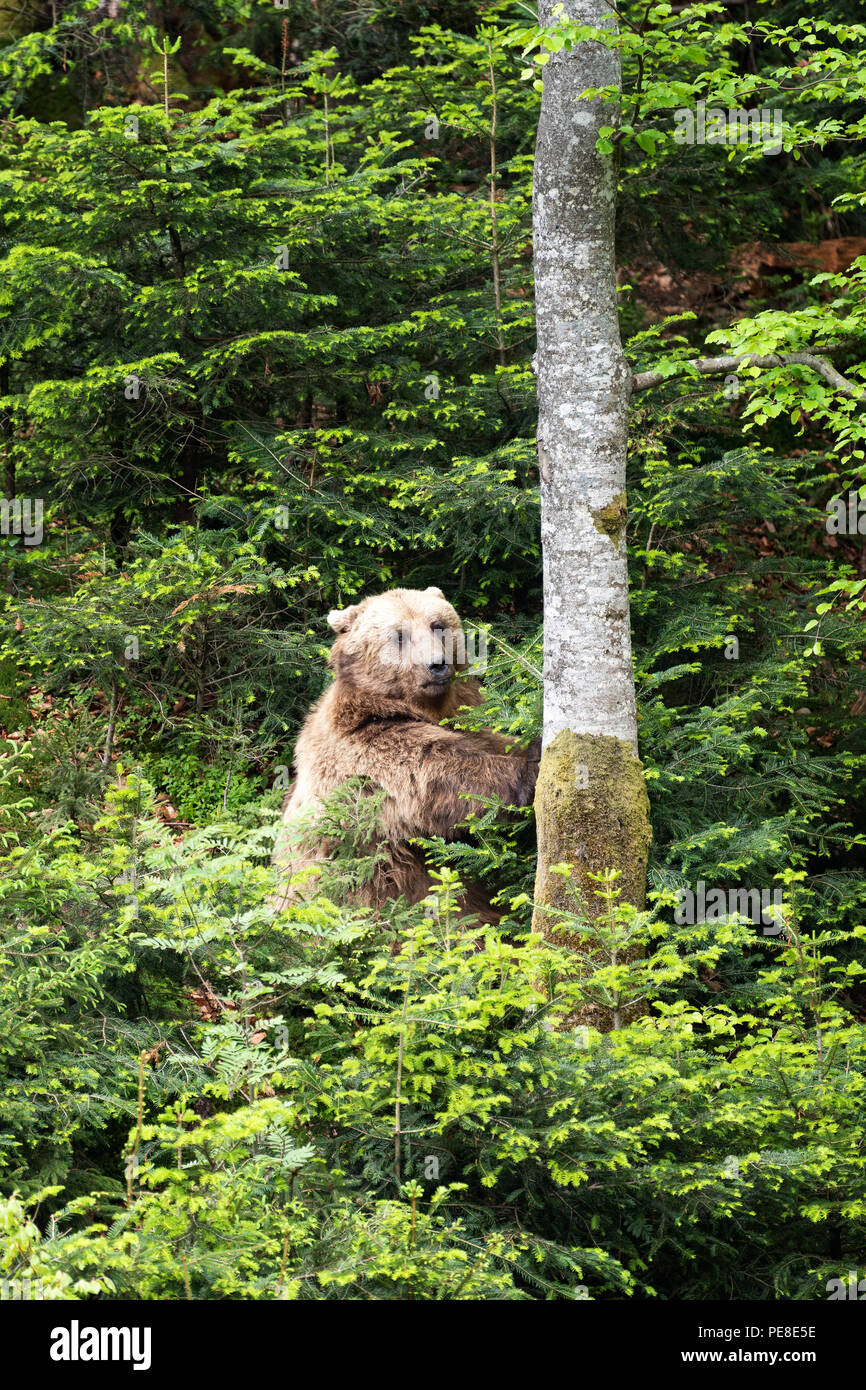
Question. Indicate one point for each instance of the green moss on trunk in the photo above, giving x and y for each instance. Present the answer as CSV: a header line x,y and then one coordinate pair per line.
x,y
611,520
592,813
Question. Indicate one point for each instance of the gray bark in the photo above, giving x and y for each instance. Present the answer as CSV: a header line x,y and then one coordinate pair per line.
x,y
583,394
718,366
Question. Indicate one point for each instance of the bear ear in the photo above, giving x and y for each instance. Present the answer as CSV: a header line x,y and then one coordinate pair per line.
x,y
436,593
341,619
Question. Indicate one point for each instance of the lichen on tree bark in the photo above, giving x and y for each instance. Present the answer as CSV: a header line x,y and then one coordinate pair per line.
x,y
591,802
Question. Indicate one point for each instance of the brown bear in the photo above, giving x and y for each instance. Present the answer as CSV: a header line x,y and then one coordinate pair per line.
x,y
397,662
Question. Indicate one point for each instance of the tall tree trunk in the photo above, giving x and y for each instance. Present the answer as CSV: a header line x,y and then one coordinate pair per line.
x,y
591,802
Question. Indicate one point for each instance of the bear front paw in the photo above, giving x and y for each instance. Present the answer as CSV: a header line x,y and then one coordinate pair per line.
x,y
530,773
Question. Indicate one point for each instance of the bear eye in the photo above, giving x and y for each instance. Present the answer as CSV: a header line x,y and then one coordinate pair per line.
x,y
437,627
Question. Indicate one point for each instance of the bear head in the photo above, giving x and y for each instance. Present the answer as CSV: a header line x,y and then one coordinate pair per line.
x,y
406,644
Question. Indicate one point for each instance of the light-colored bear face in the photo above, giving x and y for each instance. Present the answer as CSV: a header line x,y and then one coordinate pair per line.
x,y
406,643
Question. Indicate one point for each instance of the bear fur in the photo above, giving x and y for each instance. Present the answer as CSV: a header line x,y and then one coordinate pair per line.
x,y
397,661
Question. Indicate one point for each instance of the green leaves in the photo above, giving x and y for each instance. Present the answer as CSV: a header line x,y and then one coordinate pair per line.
x,y
166,47
320,1039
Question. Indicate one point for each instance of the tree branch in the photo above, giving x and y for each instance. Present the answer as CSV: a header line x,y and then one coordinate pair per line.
x,y
718,366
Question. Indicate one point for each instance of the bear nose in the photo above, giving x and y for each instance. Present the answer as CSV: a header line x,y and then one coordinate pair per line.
x,y
437,668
